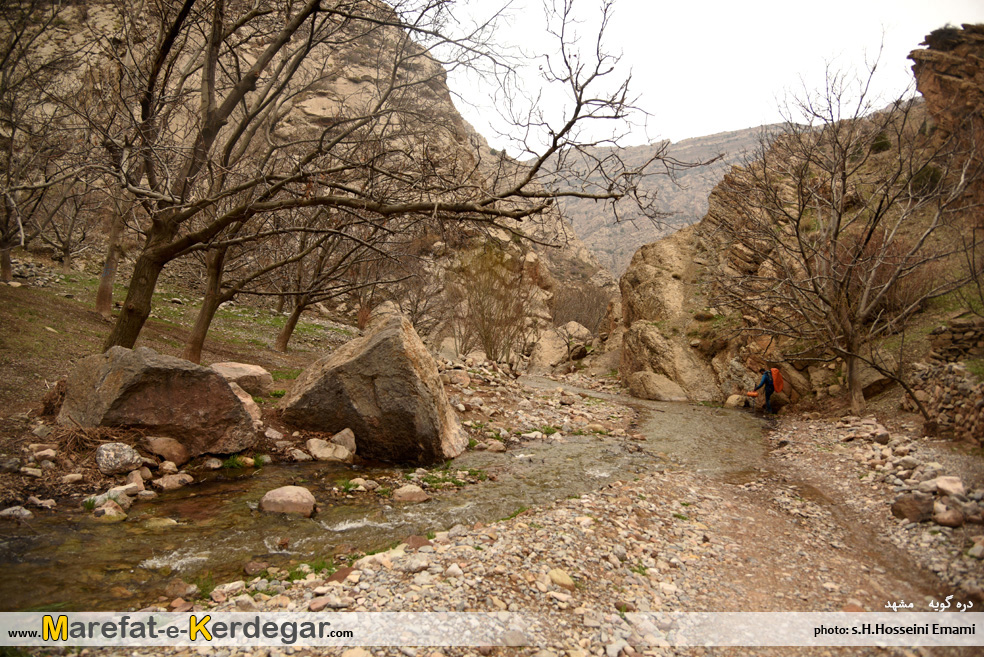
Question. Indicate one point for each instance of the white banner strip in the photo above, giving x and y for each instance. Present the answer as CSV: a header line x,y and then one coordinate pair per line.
x,y
810,628
266,629
487,629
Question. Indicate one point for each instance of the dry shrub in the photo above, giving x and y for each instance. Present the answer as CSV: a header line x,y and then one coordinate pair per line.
x,y
584,304
498,293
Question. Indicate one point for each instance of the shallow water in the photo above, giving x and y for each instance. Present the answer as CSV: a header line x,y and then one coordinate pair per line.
x,y
69,562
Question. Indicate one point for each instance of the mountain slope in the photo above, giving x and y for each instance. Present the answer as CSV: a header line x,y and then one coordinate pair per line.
x,y
683,197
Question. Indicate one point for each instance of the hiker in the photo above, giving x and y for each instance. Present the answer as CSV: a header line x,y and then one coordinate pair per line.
x,y
767,383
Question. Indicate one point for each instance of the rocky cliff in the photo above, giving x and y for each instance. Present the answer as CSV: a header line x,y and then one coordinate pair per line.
x,y
672,332
683,197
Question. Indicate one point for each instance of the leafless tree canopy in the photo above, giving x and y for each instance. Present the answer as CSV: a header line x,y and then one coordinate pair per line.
x,y
845,225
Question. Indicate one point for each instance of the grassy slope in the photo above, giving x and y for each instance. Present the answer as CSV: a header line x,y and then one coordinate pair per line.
x,y
44,332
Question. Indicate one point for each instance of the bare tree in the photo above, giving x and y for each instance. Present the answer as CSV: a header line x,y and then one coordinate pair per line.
x,y
837,233
32,143
205,98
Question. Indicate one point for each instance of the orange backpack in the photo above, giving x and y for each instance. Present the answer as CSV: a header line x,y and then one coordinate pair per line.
x,y
777,381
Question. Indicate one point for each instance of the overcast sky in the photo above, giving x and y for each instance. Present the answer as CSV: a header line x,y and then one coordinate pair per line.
x,y
700,68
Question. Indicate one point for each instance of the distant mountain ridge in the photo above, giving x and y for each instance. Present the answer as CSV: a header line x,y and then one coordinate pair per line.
x,y
685,200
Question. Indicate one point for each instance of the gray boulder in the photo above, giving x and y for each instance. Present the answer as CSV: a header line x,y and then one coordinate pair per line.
x,y
117,458
386,388
168,396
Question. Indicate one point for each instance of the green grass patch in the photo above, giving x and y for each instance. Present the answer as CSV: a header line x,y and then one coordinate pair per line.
x,y
234,462
206,584
680,516
286,374
515,513
976,367
639,569
549,430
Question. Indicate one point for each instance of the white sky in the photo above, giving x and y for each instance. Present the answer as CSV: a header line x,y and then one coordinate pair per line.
x,y
705,67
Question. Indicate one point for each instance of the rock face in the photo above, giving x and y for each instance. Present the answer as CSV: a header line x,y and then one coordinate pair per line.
x,y
252,378
288,499
386,388
665,319
646,385
169,396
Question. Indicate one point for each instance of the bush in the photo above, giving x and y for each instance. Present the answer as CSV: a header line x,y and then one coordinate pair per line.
x,y
584,304
881,143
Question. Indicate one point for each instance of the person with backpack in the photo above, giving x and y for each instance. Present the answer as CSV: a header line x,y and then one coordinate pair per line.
x,y
769,386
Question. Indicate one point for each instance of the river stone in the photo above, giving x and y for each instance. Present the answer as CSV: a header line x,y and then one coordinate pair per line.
x,y
410,493
117,458
288,499
159,524
169,396
71,478
173,481
16,513
914,507
167,448
649,385
322,450
386,388
252,378
109,512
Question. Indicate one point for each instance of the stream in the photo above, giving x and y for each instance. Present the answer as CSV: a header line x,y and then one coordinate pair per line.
x,y
66,561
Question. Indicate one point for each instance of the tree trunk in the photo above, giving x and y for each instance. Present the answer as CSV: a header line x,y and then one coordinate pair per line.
x,y
136,308
288,329
6,267
854,384
280,302
104,296
214,297
66,262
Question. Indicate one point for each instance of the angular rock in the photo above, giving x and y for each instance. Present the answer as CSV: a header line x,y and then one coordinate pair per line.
x,y
251,406
346,439
71,478
252,378
166,395
117,458
288,499
949,518
386,388
167,448
914,507
649,385
410,493
322,450
949,486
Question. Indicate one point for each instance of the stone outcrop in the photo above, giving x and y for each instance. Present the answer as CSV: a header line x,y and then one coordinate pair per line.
x,y
168,396
252,378
386,388
668,327
558,346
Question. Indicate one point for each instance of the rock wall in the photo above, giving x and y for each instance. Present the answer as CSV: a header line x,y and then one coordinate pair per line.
x,y
961,339
953,397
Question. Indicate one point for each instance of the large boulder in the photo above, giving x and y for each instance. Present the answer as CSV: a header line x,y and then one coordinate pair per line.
x,y
168,396
386,388
549,351
252,378
648,385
